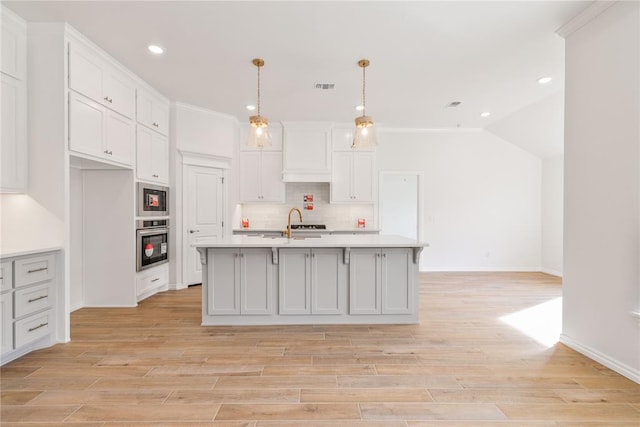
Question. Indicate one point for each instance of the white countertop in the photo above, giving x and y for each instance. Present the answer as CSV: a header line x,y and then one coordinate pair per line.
x,y
324,241
305,231
14,252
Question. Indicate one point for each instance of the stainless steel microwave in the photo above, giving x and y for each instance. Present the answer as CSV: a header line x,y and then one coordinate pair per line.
x,y
153,200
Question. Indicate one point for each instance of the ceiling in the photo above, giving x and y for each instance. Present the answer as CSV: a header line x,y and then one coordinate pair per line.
x,y
424,55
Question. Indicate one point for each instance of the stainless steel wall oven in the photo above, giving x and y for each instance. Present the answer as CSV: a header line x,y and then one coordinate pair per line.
x,y
152,243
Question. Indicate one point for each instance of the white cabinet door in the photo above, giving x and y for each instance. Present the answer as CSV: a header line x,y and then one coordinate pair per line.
x,y
352,176
14,46
306,153
13,146
119,93
85,72
86,131
364,281
6,275
152,112
152,156
397,281
362,176
6,328
250,177
272,186
119,138
224,291
256,281
294,281
261,177
328,280
341,177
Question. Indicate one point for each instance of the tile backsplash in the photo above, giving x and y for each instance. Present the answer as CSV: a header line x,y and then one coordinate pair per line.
x,y
335,216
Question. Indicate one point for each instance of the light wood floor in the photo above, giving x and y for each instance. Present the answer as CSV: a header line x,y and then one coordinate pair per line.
x,y
461,366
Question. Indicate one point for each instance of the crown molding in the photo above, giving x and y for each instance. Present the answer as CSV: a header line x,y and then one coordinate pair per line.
x,y
584,17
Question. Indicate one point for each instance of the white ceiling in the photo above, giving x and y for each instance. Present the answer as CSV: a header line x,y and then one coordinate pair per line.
x,y
423,54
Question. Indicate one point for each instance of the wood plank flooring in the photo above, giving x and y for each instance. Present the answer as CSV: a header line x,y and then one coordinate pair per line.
x,y
461,366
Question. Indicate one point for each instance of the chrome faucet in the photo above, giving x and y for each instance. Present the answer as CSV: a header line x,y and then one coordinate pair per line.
x,y
288,232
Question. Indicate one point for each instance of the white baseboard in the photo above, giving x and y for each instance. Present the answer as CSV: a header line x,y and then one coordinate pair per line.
x,y
177,286
613,364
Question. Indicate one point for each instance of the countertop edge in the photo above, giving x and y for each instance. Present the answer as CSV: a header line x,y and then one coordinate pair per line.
x,y
14,252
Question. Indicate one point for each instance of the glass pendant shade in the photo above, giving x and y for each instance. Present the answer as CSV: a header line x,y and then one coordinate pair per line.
x,y
259,135
365,135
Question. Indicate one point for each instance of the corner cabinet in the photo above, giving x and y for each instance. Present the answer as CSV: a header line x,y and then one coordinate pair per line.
x,y
27,304
306,152
13,72
241,282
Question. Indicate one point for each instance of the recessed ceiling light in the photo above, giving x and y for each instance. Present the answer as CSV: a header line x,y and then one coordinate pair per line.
x,y
359,107
155,49
544,80
251,107
485,114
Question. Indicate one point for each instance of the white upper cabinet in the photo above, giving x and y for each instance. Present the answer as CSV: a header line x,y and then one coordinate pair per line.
x,y
306,152
261,177
152,156
93,77
354,169
152,112
97,131
342,139
13,145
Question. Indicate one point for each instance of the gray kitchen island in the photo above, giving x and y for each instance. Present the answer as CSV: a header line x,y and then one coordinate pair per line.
x,y
334,279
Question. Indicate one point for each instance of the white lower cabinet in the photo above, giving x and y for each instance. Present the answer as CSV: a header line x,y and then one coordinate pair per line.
x,y
150,281
27,304
311,281
242,281
381,281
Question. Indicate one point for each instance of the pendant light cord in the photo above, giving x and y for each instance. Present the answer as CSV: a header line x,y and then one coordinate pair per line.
x,y
258,90
364,112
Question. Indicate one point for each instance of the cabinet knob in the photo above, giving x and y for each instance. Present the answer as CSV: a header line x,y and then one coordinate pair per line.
x,y
155,124
109,100
194,231
154,175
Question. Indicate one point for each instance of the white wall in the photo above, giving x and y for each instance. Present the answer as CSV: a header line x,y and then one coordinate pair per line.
x,y
482,198
76,249
552,214
602,189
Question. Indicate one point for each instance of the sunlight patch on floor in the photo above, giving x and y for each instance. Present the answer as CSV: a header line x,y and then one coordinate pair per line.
x,y
542,322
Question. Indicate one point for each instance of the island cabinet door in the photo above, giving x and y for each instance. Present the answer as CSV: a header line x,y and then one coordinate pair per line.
x,y
294,280
364,281
256,281
223,296
397,281
328,281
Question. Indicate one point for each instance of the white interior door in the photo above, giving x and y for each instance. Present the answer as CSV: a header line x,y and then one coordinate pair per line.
x,y
204,214
399,204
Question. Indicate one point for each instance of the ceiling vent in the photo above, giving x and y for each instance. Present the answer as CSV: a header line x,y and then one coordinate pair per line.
x,y
325,86
453,104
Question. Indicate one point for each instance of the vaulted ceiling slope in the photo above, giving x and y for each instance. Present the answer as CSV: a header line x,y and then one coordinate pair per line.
x,y
423,55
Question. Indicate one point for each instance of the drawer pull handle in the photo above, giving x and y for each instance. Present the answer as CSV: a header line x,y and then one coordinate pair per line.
x,y
37,269
39,298
41,325
155,280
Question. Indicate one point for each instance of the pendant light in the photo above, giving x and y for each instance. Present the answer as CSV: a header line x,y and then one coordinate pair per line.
x,y
259,135
364,135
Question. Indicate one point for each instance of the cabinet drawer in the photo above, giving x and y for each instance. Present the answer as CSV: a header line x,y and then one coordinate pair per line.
x,y
34,270
152,281
6,275
32,299
33,328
